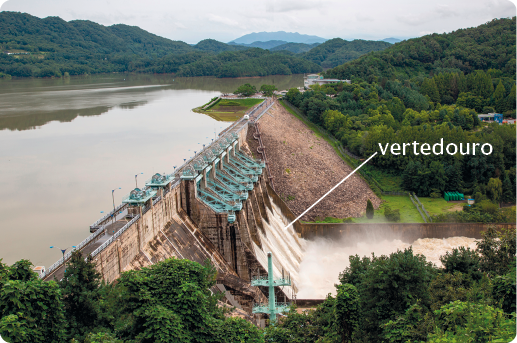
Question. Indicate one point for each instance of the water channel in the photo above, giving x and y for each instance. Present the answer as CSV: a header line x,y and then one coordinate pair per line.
x,y
65,144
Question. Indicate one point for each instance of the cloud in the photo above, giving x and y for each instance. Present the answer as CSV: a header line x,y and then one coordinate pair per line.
x,y
229,19
291,6
222,20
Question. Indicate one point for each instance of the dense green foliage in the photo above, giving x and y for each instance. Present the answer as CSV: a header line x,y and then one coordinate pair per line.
x,y
296,48
211,45
56,47
246,90
268,90
338,51
432,105
489,46
170,301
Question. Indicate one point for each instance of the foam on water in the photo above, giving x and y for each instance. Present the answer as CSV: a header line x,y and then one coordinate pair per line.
x,y
324,259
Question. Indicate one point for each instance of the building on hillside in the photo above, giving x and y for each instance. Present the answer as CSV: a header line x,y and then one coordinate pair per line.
x,y
491,117
315,79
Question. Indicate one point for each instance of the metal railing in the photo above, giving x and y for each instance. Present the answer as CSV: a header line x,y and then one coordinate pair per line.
x,y
115,236
423,208
418,208
395,193
107,216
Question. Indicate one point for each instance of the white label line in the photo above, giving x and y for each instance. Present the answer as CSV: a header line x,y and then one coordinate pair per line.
x,y
323,197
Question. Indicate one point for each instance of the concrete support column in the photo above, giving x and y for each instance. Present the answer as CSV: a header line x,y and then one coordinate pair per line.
x,y
119,257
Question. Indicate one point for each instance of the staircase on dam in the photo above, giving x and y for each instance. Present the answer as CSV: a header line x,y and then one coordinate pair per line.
x,y
217,207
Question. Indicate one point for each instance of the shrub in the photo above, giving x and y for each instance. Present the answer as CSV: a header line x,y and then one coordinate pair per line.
x,y
448,287
463,260
391,215
369,209
504,290
388,286
471,322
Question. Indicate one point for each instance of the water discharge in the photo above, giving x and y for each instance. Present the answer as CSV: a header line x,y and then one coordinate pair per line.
x,y
324,259
314,266
287,248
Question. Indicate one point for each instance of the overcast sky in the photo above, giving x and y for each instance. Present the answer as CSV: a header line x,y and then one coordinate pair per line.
x,y
225,20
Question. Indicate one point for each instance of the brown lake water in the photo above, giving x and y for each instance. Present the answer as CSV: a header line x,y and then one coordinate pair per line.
x,y
66,143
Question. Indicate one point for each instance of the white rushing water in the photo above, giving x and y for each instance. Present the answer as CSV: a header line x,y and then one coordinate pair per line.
x,y
287,248
324,259
314,266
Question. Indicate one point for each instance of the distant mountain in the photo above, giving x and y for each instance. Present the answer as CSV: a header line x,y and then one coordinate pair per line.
x,y
296,48
211,45
338,51
263,45
392,40
287,37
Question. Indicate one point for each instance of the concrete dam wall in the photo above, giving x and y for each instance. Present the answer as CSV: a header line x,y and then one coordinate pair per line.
x,y
217,207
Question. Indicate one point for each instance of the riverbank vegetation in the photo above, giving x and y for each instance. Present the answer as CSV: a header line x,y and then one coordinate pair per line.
x,y
426,106
395,298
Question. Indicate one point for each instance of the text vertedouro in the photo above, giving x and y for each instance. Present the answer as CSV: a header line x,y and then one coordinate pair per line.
x,y
436,149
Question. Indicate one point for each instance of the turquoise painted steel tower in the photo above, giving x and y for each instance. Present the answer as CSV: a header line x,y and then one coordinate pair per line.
x,y
273,307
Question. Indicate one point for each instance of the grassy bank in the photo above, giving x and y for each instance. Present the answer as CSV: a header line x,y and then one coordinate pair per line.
x,y
229,109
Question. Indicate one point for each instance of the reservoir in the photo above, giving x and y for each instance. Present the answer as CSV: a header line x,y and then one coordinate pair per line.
x,y
65,144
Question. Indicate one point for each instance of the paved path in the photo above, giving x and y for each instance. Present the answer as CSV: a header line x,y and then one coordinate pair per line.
x,y
111,229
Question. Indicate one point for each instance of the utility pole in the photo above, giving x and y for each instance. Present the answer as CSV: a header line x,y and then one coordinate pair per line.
x,y
272,308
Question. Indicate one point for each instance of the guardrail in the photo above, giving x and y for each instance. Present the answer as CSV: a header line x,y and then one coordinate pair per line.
x,y
118,208
115,236
395,193
423,208
418,208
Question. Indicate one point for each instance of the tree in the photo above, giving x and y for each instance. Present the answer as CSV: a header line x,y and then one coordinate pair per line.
x,y
510,100
80,290
388,286
514,186
494,189
246,90
268,90
499,98
369,209
346,309
292,96
412,326
31,309
465,321
462,260
497,250
429,88
505,289
508,188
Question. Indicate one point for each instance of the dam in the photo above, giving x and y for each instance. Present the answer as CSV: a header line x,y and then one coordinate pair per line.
x,y
217,207
221,206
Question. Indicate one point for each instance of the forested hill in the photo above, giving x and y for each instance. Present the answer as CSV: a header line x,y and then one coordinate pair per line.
x,y
53,34
488,46
53,47
338,51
